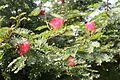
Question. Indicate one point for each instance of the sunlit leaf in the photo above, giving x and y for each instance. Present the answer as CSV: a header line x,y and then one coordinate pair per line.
x,y
35,12
41,27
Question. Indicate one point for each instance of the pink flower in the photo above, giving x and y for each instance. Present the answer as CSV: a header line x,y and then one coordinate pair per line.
x,y
56,23
70,59
24,48
90,26
71,64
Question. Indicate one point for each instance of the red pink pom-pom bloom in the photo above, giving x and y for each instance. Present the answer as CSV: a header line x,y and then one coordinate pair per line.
x,y
71,59
90,26
24,48
71,62
56,23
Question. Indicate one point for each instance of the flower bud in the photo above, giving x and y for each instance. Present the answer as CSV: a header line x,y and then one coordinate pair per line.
x,y
42,12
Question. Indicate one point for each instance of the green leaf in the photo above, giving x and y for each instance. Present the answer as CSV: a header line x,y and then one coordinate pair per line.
x,y
19,63
23,32
14,18
39,0
103,57
41,27
24,18
1,54
1,40
96,36
71,51
5,45
3,33
1,19
90,49
15,60
56,15
3,6
35,12
73,14
95,44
